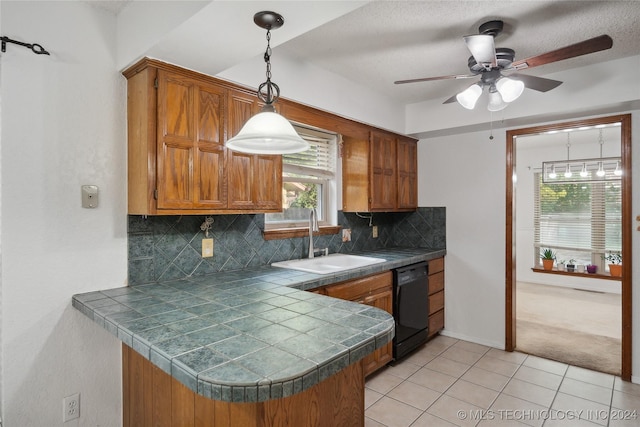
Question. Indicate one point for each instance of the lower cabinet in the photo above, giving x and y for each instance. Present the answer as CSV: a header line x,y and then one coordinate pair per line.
x,y
152,397
377,291
436,296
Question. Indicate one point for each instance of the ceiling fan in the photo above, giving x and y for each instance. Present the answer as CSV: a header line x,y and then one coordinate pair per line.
x,y
499,72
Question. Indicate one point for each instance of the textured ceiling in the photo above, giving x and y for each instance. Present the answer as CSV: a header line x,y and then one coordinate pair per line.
x,y
375,43
386,41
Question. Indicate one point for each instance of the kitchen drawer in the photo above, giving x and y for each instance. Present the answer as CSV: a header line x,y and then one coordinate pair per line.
x,y
436,322
436,282
354,289
436,302
436,265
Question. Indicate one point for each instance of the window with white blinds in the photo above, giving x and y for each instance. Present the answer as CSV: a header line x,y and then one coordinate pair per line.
x,y
579,221
308,181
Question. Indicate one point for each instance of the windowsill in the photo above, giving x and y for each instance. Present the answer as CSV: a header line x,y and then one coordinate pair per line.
x,y
287,233
575,273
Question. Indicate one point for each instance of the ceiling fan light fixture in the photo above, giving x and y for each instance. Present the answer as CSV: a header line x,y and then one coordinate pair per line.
x,y
268,132
468,97
496,103
509,89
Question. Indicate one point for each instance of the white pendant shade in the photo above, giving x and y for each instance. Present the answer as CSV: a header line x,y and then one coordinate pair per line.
x,y
509,89
468,97
496,103
267,133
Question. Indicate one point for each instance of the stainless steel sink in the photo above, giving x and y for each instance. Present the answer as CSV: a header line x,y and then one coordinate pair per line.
x,y
328,264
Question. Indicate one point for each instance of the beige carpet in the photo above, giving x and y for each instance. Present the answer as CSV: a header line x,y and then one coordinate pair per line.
x,y
580,328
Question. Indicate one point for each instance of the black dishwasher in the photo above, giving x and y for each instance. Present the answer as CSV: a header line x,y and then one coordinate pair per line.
x,y
410,308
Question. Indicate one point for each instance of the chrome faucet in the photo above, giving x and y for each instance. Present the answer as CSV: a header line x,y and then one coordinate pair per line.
x,y
313,226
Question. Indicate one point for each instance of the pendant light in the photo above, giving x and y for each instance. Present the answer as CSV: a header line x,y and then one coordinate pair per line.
x,y
268,132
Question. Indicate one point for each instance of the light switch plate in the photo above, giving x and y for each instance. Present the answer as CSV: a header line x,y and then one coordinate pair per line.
x,y
374,231
90,196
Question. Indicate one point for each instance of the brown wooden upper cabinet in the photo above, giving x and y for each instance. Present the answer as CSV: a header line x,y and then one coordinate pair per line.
x,y
178,122
255,180
379,175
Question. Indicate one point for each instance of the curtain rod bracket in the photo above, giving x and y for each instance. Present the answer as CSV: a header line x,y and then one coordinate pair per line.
x,y
36,48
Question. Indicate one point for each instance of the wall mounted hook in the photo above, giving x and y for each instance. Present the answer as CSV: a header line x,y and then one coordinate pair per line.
x,y
35,47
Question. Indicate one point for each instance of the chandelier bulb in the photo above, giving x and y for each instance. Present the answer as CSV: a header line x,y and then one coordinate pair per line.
x,y
601,171
618,171
553,174
567,172
583,172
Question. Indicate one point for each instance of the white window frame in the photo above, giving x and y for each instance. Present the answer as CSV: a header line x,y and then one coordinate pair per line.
x,y
327,199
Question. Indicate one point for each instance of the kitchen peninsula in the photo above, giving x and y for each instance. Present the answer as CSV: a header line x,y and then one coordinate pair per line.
x,y
248,347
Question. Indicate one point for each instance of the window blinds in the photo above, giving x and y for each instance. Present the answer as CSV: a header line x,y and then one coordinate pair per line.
x,y
581,216
319,160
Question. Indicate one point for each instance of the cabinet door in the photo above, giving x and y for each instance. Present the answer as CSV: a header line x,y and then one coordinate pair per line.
x,y
190,163
268,182
383,191
383,355
255,180
407,166
209,173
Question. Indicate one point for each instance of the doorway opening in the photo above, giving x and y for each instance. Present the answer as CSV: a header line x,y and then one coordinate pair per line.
x,y
543,233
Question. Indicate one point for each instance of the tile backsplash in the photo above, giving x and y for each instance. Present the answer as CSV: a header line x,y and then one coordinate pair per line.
x,y
168,247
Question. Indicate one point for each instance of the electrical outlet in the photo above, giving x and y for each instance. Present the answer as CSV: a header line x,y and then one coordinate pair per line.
x,y
374,231
346,234
71,407
207,248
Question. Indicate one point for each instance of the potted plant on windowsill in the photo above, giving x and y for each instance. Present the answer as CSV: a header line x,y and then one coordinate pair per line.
x,y
571,265
615,263
548,257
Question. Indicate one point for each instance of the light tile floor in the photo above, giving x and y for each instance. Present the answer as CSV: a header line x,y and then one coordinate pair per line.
x,y
450,382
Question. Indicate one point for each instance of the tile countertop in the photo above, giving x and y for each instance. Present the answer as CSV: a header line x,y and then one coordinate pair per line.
x,y
248,335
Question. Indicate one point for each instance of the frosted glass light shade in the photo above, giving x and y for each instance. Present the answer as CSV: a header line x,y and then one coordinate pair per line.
x,y
496,103
509,89
267,133
468,97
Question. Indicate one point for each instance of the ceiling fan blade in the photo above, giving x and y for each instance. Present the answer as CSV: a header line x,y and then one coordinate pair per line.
x,y
536,83
585,47
483,49
450,100
427,79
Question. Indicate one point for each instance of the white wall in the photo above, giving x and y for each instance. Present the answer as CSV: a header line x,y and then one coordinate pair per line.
x,y
471,185
63,125
465,173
